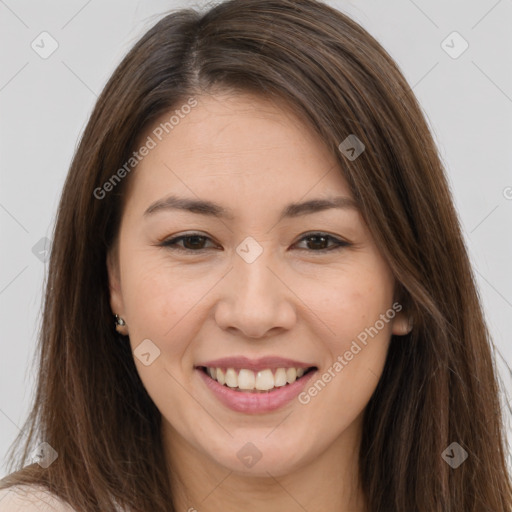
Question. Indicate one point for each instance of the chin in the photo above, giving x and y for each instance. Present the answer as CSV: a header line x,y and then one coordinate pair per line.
x,y
260,456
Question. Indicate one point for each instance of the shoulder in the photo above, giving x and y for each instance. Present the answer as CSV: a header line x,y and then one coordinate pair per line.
x,y
31,498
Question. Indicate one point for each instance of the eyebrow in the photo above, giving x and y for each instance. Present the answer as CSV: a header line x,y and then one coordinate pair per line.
x,y
204,207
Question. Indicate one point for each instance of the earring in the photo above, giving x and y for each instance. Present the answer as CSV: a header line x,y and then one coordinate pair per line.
x,y
119,322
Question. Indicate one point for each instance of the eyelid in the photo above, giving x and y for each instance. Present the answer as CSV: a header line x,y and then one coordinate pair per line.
x,y
337,242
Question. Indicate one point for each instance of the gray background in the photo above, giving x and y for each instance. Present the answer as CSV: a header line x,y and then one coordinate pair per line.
x,y
45,103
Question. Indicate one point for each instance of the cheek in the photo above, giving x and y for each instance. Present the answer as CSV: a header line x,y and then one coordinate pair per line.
x,y
356,302
356,358
359,312
164,301
154,294
362,320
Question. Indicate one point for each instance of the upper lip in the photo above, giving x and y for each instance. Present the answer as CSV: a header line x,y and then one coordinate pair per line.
x,y
262,363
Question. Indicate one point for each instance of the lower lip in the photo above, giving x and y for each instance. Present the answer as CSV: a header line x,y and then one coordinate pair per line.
x,y
257,402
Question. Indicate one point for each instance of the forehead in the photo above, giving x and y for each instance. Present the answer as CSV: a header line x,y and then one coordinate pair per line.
x,y
241,143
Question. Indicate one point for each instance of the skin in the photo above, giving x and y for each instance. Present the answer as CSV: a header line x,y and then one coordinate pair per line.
x,y
253,157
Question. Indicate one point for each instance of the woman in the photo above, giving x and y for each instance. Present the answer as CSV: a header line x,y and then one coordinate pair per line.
x,y
259,204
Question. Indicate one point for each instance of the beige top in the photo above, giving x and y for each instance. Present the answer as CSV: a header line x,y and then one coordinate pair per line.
x,y
32,498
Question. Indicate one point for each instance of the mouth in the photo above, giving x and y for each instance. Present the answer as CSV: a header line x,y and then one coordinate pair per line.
x,y
265,380
259,390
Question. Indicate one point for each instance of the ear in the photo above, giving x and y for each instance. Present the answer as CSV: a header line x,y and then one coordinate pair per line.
x,y
402,324
114,281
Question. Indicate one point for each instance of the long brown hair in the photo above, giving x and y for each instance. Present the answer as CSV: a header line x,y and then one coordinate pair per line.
x,y
439,383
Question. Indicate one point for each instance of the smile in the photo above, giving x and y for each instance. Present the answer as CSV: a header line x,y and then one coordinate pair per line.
x,y
246,380
254,386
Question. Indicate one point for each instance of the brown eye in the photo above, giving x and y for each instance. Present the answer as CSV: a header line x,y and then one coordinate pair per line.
x,y
192,243
315,242
319,242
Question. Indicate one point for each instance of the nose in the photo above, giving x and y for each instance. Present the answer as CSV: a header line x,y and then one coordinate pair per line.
x,y
256,298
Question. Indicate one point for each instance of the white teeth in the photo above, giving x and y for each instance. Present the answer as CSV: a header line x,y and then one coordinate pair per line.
x,y
231,378
246,379
291,375
263,380
221,377
280,378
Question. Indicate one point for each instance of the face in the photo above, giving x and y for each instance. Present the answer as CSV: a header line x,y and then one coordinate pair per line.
x,y
296,302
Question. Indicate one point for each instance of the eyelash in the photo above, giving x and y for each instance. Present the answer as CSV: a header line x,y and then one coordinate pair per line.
x,y
171,242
